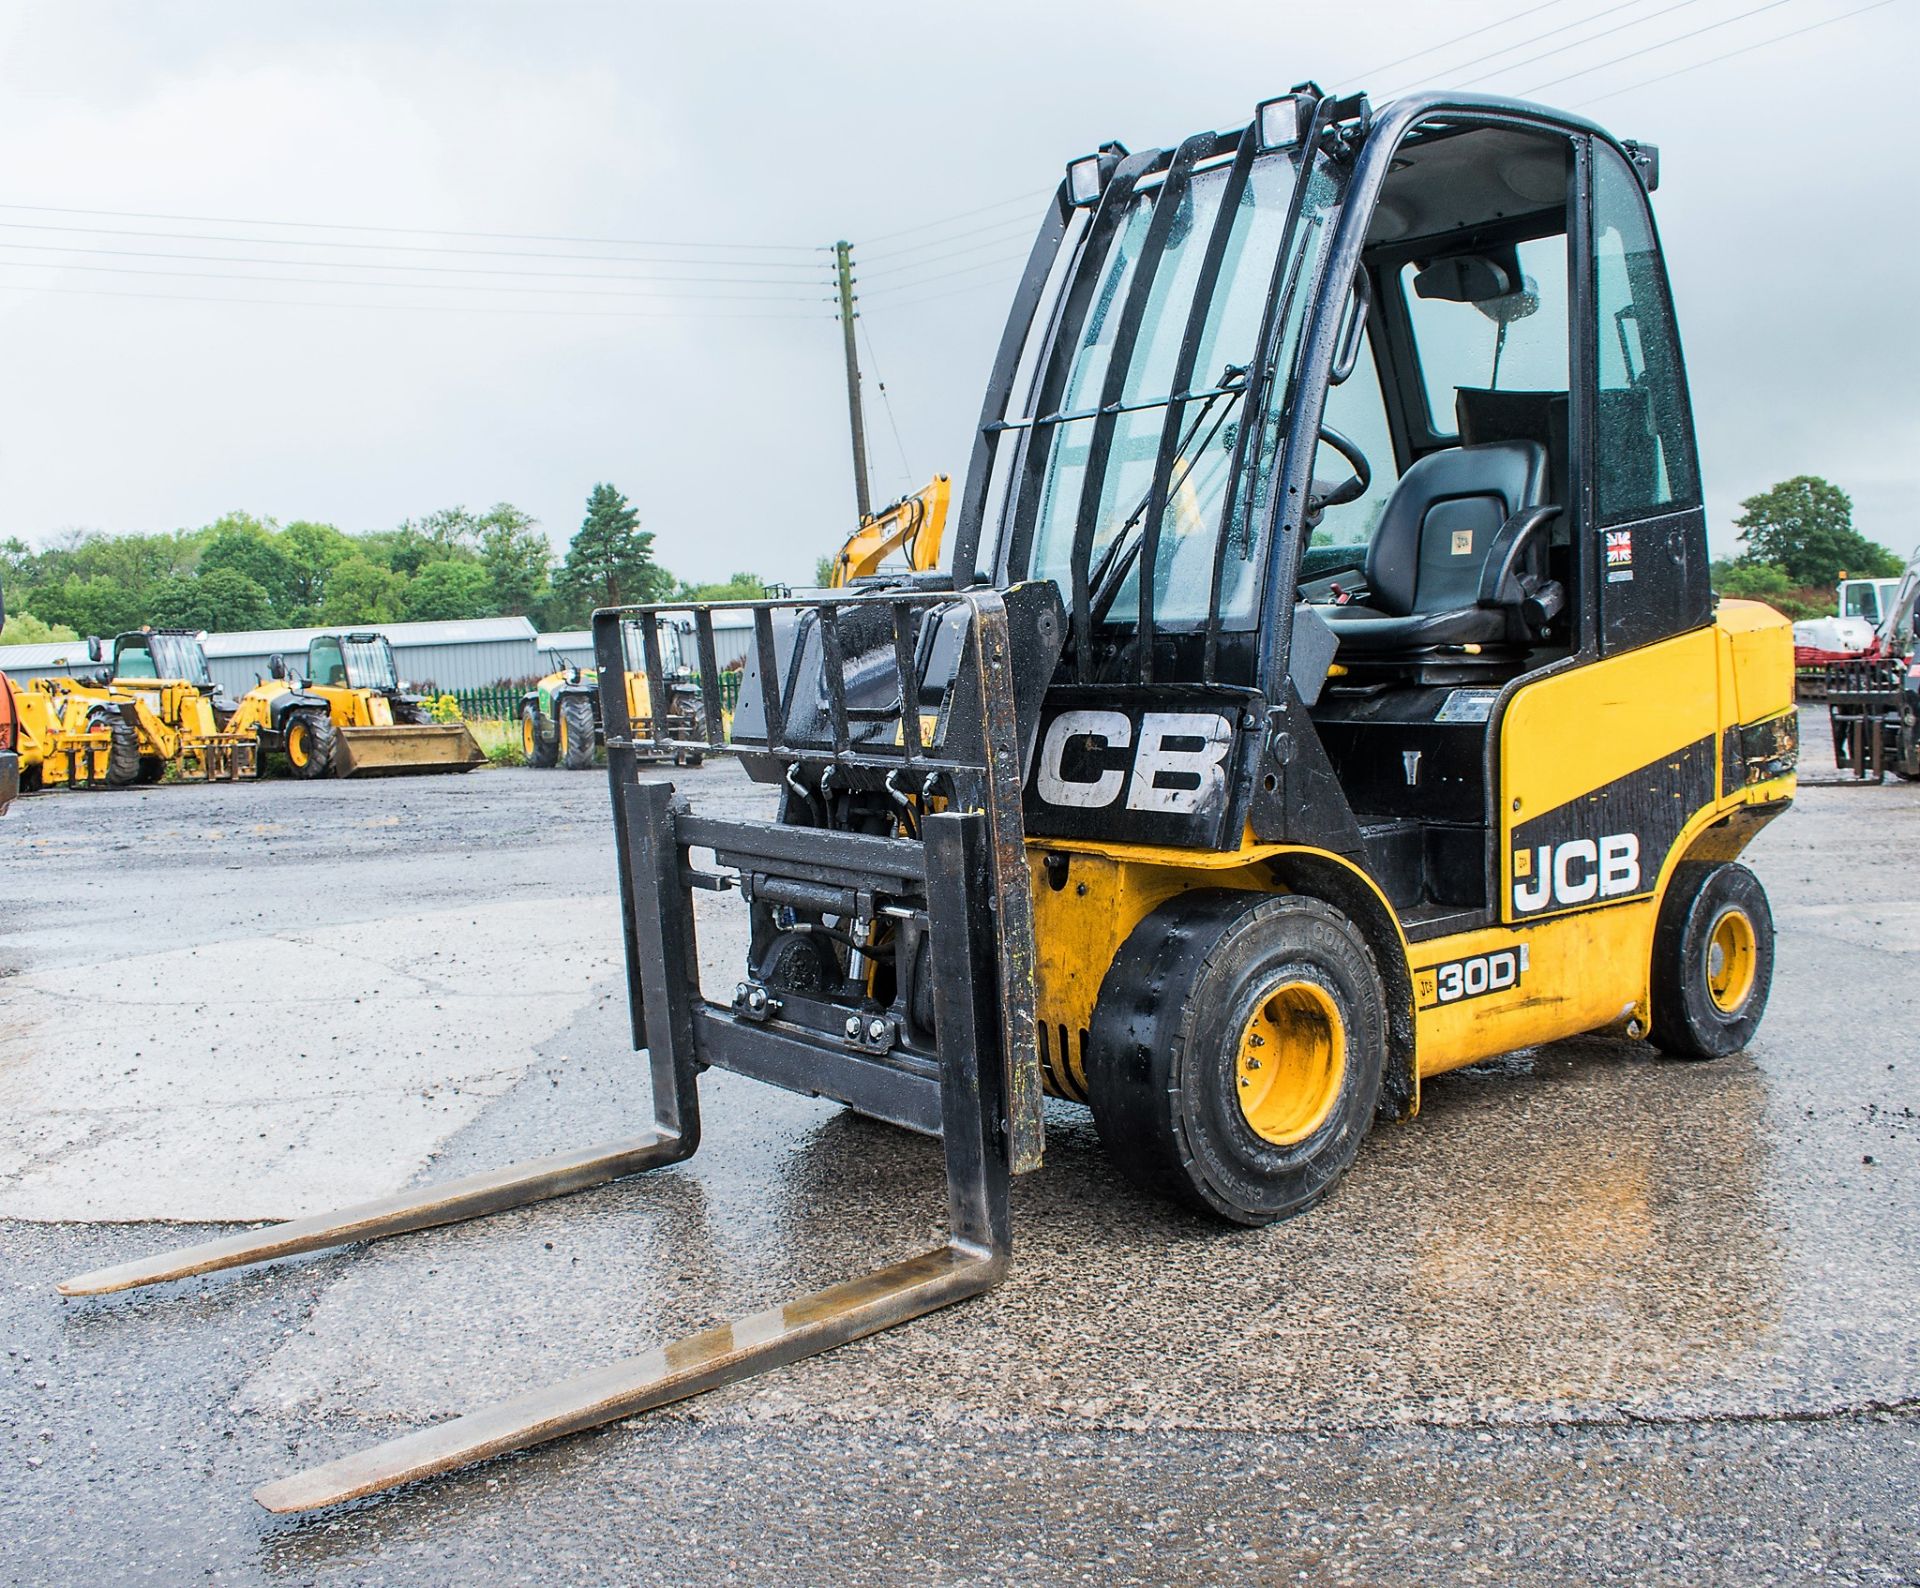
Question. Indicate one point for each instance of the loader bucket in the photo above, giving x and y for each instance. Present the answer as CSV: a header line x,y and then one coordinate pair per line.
x,y
383,752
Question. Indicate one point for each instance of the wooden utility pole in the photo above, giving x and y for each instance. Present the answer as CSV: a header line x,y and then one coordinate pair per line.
x,y
843,270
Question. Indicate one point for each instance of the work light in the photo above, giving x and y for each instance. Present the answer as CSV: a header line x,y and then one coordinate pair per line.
x,y
1280,121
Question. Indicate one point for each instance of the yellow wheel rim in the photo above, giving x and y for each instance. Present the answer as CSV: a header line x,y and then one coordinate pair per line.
x,y
526,737
1730,961
297,744
1293,1057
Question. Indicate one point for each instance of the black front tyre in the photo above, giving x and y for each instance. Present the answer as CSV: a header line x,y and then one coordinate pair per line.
x,y
1236,1052
310,741
1712,961
535,746
152,768
576,733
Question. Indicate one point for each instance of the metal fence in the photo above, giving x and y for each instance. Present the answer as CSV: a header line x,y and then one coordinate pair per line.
x,y
501,703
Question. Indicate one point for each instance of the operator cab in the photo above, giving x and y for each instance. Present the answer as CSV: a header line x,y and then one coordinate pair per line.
x,y
352,661
1331,431
161,654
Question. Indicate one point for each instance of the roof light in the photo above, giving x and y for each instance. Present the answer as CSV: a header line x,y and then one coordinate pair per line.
x,y
1087,177
1083,179
1280,121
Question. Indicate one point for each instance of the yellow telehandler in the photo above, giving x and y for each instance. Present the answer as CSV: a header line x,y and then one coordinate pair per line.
x,y
153,705
1327,693
347,716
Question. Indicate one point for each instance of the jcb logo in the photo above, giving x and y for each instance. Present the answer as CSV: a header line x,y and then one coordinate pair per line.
x,y
1575,872
1176,766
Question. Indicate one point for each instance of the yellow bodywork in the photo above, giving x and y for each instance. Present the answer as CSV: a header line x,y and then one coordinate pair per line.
x,y
173,720
915,524
1565,735
55,745
371,742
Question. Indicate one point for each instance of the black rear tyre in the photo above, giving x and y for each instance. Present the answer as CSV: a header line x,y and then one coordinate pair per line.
x,y
576,733
152,768
1712,961
311,741
535,744
1236,1052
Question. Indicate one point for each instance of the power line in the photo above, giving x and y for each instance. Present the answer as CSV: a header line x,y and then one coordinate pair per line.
x,y
920,264
1571,44
1678,38
1458,38
355,264
927,281
1745,49
961,215
396,248
1000,282
886,401
404,286
418,231
1014,224
411,308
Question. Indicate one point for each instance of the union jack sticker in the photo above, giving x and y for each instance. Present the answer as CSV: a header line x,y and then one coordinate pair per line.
x,y
1619,548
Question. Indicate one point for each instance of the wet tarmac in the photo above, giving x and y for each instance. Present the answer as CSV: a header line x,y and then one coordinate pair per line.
x,y
1593,1317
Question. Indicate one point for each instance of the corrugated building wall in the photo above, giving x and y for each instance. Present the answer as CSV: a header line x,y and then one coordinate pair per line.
x,y
451,656
732,639
472,654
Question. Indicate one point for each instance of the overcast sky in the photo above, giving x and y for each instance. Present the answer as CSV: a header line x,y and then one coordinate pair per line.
x,y
134,400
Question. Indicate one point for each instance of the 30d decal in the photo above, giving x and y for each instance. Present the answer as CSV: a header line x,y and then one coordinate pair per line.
x,y
1474,977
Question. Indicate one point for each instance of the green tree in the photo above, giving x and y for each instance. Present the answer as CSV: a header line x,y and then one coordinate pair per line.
x,y
23,628
96,605
517,557
1804,527
250,547
740,587
360,591
406,550
448,590
609,562
312,551
823,570
223,601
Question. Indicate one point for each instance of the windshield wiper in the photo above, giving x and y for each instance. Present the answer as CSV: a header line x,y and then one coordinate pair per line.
x,y
1110,572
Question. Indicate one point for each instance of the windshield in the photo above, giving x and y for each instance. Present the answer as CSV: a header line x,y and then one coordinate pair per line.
x,y
1198,419
161,656
365,662
370,663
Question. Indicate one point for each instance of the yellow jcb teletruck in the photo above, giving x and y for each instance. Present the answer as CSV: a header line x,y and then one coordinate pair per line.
x,y
348,716
1327,693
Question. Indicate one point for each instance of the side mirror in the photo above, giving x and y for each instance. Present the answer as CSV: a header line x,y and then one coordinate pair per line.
x,y
94,649
277,665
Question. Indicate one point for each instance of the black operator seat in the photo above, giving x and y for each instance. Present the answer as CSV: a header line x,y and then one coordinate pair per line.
x,y
1454,561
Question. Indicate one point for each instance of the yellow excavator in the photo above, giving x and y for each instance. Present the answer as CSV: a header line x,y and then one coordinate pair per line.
x,y
347,716
915,525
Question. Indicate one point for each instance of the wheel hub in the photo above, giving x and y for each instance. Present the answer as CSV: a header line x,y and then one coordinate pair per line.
x,y
1293,1058
1730,961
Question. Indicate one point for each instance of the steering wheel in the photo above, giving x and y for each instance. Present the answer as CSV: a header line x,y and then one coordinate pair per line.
x,y
1352,488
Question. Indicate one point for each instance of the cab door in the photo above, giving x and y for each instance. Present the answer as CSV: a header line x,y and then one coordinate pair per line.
x,y
1643,479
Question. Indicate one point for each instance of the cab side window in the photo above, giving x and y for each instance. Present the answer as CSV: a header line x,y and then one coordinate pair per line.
x,y
1644,453
1516,341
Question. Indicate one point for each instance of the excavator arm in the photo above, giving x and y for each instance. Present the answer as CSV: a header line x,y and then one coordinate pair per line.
x,y
915,524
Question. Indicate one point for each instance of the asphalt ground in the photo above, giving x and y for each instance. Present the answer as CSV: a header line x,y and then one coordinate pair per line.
x,y
1593,1317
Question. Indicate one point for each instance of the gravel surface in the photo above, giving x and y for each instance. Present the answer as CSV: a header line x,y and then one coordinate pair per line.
x,y
1593,1317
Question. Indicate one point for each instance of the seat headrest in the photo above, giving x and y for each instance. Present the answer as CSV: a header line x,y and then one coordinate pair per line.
x,y
1538,416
